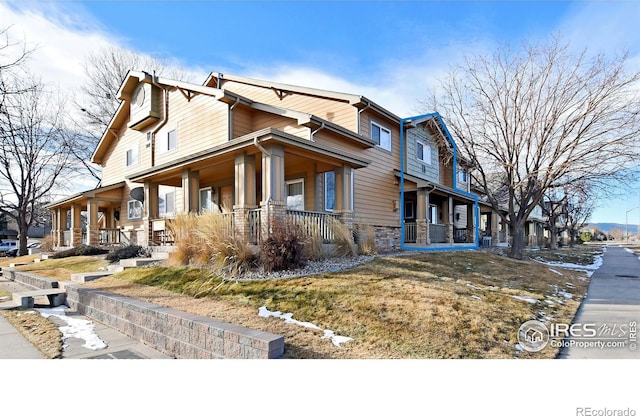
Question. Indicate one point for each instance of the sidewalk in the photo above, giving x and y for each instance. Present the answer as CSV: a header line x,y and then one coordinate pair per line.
x,y
612,306
14,346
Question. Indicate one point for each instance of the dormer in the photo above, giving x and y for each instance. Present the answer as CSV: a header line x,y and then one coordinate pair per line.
x,y
144,105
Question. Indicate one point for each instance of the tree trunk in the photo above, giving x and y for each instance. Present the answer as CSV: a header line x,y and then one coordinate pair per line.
x,y
553,239
23,229
517,244
572,238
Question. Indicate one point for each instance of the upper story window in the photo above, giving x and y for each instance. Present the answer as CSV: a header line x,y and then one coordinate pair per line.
x,y
134,209
423,152
463,175
169,142
132,156
381,135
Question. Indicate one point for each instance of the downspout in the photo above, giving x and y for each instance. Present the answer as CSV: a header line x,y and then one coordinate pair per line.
x,y
360,112
230,126
165,117
322,126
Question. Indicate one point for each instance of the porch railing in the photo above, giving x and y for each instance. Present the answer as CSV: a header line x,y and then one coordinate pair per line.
x,y
410,232
253,218
438,233
502,236
460,235
111,236
314,223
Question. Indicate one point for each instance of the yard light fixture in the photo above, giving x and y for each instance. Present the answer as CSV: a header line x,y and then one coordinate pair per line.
x,y
626,227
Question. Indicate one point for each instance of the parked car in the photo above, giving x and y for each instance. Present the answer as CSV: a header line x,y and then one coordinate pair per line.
x,y
7,246
13,252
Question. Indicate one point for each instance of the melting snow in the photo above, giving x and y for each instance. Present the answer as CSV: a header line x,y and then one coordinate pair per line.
x,y
288,318
589,268
556,272
525,298
4,297
75,328
473,287
476,297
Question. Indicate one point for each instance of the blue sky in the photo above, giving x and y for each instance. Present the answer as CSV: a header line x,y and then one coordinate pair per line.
x,y
391,52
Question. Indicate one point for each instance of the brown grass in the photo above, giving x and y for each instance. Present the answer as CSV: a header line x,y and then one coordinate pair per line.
x,y
366,240
6,261
416,306
343,239
61,269
38,330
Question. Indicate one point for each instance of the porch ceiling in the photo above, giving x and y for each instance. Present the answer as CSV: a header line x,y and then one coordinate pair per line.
x,y
218,162
106,197
437,188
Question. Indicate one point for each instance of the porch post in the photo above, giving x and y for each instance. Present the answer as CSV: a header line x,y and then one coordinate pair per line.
x,y
274,203
61,227
76,226
93,233
471,220
190,189
245,194
150,211
449,219
495,230
422,230
343,195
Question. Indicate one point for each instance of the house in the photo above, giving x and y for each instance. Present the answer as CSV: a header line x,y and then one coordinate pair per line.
x,y
257,150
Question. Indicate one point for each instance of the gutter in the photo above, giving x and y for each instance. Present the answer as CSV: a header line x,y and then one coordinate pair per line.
x,y
360,112
455,168
322,126
257,144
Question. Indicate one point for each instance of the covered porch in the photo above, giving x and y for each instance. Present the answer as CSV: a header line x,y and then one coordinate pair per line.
x,y
436,215
252,181
493,230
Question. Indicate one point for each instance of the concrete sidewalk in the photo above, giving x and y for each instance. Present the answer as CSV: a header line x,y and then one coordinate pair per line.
x,y
14,346
612,306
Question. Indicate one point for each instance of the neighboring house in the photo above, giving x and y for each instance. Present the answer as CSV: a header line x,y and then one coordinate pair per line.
x,y
534,228
258,150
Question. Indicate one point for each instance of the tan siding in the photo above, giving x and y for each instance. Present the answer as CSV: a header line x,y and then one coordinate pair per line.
x,y
341,113
114,168
200,124
242,121
264,120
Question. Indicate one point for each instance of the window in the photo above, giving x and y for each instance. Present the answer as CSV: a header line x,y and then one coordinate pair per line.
x,y
134,209
132,156
330,190
169,143
462,175
423,152
295,194
433,214
206,200
166,201
409,212
381,136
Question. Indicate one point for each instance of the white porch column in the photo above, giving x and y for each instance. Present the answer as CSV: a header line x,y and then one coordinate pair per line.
x,y
76,226
190,190
93,233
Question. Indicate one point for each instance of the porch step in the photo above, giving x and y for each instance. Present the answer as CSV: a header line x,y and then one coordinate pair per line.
x,y
12,265
136,262
56,296
87,277
115,268
160,255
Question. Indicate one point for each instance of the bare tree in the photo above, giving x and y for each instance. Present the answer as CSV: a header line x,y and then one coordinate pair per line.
x,y
98,100
34,154
538,118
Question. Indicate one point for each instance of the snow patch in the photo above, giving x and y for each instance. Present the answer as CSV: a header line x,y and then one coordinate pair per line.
x,y
525,299
556,272
473,287
476,297
288,318
75,328
4,297
628,250
589,268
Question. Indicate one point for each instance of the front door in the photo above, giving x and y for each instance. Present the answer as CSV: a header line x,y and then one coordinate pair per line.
x,y
226,198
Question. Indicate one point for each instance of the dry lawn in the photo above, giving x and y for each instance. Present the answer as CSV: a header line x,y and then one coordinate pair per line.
x,y
40,331
61,269
428,305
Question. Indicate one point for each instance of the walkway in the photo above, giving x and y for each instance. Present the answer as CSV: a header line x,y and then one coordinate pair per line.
x,y
612,307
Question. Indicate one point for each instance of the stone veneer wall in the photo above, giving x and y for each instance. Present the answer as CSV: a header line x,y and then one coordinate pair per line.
x,y
175,333
387,238
29,279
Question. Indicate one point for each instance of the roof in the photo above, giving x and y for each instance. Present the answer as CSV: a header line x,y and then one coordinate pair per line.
x,y
424,183
359,101
134,77
85,194
262,136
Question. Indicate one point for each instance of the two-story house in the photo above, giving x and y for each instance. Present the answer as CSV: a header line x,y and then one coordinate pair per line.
x,y
257,150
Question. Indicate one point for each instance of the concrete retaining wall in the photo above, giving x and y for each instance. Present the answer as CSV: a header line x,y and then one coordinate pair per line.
x,y
29,279
175,333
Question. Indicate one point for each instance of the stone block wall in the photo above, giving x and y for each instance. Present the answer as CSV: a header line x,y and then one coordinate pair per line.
x,y
175,333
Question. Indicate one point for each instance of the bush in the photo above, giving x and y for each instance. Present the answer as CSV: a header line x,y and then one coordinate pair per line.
x,y
366,240
127,252
284,248
82,250
313,241
343,239
207,240
46,245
